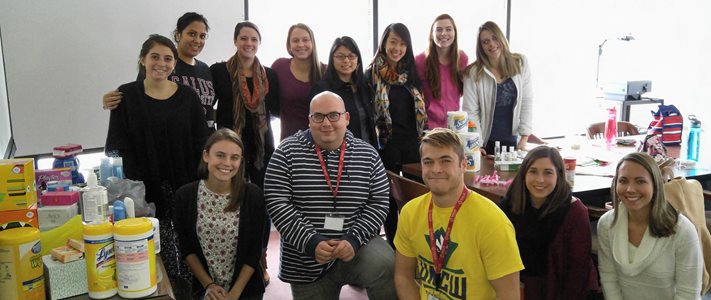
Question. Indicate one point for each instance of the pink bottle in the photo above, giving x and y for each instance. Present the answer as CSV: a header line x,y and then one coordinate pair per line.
x,y
611,127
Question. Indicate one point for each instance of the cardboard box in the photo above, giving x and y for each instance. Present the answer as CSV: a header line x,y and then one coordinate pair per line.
x,y
507,166
17,184
60,198
64,280
61,175
28,215
54,216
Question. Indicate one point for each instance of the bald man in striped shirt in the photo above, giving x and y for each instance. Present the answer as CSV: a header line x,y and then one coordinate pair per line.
x,y
327,194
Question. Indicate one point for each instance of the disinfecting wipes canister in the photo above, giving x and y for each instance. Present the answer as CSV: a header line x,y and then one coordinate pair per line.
x,y
135,257
21,269
100,260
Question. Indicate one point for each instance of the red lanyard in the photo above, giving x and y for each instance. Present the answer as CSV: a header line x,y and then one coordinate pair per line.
x,y
325,170
439,259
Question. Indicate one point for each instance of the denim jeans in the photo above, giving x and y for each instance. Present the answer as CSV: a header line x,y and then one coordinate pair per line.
x,y
371,268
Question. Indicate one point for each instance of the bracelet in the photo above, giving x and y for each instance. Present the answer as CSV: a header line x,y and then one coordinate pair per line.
x,y
209,284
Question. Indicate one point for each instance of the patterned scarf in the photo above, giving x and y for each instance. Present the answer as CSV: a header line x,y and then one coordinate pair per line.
x,y
383,77
252,103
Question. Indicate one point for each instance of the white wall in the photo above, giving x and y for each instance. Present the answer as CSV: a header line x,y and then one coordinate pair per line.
x,y
671,48
62,56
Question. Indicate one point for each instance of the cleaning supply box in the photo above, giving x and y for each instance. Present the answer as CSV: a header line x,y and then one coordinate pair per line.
x,y
17,184
27,215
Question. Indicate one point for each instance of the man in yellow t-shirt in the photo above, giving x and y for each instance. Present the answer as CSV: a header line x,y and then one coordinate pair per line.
x,y
480,259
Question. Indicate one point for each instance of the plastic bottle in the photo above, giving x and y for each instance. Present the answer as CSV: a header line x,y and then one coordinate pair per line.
x,y
611,127
118,167
105,170
512,153
94,202
692,150
471,125
130,207
497,151
119,211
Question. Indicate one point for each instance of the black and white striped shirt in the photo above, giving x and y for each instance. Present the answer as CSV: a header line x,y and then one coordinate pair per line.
x,y
298,199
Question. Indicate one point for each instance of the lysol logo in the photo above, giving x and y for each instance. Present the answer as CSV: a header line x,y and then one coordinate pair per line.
x,y
105,254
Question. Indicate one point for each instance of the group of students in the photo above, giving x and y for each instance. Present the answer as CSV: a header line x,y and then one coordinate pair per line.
x,y
214,230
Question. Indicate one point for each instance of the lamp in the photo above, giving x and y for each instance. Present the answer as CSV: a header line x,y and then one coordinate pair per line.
x,y
628,37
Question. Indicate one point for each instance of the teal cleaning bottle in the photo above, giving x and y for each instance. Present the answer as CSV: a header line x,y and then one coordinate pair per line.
x,y
692,152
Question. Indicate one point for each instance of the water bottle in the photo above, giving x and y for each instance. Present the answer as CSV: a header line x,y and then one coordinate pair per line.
x,y
105,170
692,150
611,127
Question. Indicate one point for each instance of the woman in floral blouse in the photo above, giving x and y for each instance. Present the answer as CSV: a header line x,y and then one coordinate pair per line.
x,y
219,220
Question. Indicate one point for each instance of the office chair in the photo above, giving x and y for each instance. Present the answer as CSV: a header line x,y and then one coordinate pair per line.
x,y
596,131
403,189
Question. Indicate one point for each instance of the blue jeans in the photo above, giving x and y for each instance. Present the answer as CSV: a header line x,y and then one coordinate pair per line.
x,y
372,268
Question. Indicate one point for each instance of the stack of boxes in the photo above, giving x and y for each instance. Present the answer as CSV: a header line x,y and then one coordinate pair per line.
x,y
20,187
18,197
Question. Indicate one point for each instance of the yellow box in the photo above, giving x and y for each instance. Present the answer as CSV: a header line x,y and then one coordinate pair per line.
x,y
17,184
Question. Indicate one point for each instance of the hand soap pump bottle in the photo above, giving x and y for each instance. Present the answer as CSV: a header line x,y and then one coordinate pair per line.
x,y
94,201
692,152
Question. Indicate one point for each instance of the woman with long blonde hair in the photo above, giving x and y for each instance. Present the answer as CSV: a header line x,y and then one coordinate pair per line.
x,y
498,92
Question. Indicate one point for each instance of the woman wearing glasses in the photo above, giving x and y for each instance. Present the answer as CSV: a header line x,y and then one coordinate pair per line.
x,y
296,75
498,92
190,34
400,117
344,76
440,69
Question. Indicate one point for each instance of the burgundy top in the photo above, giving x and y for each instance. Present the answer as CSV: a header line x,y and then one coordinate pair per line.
x,y
571,273
294,100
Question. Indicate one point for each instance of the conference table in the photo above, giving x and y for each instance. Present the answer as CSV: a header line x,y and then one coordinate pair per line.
x,y
595,168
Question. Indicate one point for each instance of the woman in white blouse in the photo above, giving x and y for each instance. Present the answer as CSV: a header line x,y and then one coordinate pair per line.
x,y
647,249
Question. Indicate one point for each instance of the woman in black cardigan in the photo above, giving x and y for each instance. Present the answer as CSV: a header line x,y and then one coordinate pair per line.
x,y
220,221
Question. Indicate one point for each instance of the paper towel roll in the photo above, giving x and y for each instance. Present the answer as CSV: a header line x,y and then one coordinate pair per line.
x,y
472,141
457,121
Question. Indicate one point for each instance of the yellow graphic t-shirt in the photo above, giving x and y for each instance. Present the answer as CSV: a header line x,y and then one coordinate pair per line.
x,y
482,247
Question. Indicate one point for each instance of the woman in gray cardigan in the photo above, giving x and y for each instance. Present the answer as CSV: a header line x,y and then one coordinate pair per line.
x,y
498,92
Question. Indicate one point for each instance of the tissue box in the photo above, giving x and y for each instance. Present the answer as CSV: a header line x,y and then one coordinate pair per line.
x,y
60,198
64,280
61,175
17,186
55,216
28,215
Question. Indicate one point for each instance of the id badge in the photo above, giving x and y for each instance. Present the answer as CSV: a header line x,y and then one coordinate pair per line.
x,y
333,222
432,297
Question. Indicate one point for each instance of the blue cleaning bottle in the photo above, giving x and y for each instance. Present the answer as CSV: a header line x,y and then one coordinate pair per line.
x,y
692,152
105,170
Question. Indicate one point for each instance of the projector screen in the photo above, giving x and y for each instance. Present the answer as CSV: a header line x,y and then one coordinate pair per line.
x,y
62,56
7,144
